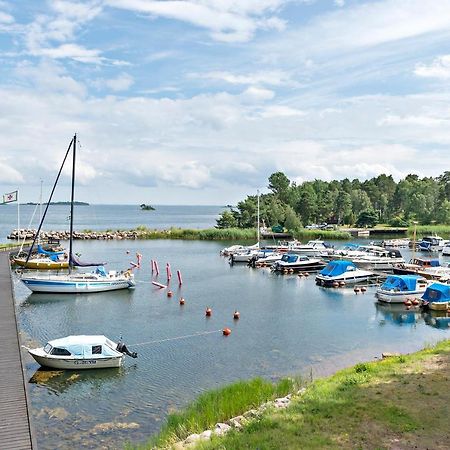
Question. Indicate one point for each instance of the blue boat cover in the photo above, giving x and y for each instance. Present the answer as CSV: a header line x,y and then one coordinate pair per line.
x,y
335,268
45,252
101,271
400,282
437,293
289,258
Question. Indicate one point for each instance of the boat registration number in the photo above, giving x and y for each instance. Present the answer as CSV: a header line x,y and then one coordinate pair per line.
x,y
85,362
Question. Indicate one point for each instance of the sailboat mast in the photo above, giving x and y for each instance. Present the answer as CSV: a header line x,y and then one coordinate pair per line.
x,y
71,202
258,218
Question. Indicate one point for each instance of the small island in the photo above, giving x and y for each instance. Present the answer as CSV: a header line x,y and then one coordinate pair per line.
x,y
145,207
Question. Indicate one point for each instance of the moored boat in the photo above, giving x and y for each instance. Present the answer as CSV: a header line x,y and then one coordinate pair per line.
x,y
342,272
431,244
398,288
311,248
297,263
81,352
437,297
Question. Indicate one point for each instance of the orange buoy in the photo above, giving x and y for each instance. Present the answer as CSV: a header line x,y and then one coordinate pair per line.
x,y
236,315
181,301
208,312
169,293
356,289
408,302
226,331
415,302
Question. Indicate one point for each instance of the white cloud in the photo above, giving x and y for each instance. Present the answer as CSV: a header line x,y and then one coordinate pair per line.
x,y
281,111
425,121
270,77
439,68
9,175
121,83
254,93
71,51
6,18
227,21
339,3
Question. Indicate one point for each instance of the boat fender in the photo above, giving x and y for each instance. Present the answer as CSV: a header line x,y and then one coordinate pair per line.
x,y
122,348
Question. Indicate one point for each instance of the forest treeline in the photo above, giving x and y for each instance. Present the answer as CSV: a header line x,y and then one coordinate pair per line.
x,y
344,202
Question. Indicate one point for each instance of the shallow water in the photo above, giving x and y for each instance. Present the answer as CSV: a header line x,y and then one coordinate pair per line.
x,y
288,326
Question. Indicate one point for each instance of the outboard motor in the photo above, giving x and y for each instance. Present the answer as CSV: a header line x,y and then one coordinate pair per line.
x,y
122,348
252,261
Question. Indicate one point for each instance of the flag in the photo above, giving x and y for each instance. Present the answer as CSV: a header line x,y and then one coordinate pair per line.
x,y
11,197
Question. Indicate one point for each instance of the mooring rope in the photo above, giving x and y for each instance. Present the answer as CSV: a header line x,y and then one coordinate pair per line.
x,y
158,341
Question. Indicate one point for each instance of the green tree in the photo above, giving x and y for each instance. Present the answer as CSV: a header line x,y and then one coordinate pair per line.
x,y
279,184
292,221
367,219
343,205
226,220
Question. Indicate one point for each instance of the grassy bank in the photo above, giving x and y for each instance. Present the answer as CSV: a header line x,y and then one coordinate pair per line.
x,y
209,234
400,402
217,406
422,230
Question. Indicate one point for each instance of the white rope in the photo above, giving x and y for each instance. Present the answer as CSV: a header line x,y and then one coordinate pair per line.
x,y
175,338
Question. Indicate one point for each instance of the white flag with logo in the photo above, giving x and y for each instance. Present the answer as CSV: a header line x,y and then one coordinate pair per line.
x,y
11,197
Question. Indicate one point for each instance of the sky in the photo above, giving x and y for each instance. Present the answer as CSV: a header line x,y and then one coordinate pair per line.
x,y
200,101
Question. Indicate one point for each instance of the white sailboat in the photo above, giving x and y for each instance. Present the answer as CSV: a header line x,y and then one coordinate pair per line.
x,y
75,282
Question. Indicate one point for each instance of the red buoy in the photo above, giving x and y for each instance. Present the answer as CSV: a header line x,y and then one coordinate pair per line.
x,y
236,315
208,312
169,293
415,301
408,302
181,301
226,331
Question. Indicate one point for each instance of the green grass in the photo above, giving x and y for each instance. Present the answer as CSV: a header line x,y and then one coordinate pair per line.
x,y
9,246
421,230
305,234
399,402
228,234
218,406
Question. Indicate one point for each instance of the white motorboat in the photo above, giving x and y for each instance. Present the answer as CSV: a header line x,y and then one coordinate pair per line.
x,y
379,260
311,248
398,288
297,263
228,251
342,272
81,352
244,256
265,258
399,242
446,249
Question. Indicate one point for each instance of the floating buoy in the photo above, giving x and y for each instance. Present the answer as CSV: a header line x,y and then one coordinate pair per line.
x,y
408,307
300,274
363,289
415,302
408,302
342,283
226,331
236,315
286,271
128,252
335,284
181,301
169,293
291,270
356,289
208,312
306,274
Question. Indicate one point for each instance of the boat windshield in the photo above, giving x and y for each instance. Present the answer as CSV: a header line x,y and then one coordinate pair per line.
x,y
48,348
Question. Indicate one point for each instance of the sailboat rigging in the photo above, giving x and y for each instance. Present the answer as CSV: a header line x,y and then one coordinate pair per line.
x,y
75,282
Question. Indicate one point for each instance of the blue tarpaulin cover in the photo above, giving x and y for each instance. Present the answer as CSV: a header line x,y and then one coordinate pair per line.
x,y
400,282
335,268
289,258
437,292
45,252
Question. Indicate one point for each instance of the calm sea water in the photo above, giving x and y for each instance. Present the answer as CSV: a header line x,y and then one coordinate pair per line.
x,y
288,326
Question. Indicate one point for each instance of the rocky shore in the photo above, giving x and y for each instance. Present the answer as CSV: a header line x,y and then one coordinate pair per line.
x,y
64,235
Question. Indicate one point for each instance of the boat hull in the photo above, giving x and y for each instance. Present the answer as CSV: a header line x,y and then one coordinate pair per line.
x,y
396,297
438,306
309,267
77,363
74,287
41,265
329,281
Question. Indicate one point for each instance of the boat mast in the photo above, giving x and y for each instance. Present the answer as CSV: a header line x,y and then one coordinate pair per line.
x,y
258,218
71,202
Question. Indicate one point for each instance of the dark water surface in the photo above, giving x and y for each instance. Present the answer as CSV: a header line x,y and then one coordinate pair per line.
x,y
288,325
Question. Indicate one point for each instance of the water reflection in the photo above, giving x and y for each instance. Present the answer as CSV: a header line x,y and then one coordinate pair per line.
x,y
398,314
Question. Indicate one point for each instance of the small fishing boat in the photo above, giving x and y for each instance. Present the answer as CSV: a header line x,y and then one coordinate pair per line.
x,y
397,288
431,244
81,352
342,272
436,297
297,263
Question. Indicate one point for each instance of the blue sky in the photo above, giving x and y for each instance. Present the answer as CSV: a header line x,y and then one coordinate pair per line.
x,y
199,101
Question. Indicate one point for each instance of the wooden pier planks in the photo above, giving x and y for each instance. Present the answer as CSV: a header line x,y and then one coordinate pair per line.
x,y
15,427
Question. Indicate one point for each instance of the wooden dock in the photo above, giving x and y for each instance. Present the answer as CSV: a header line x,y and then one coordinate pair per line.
x,y
15,425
